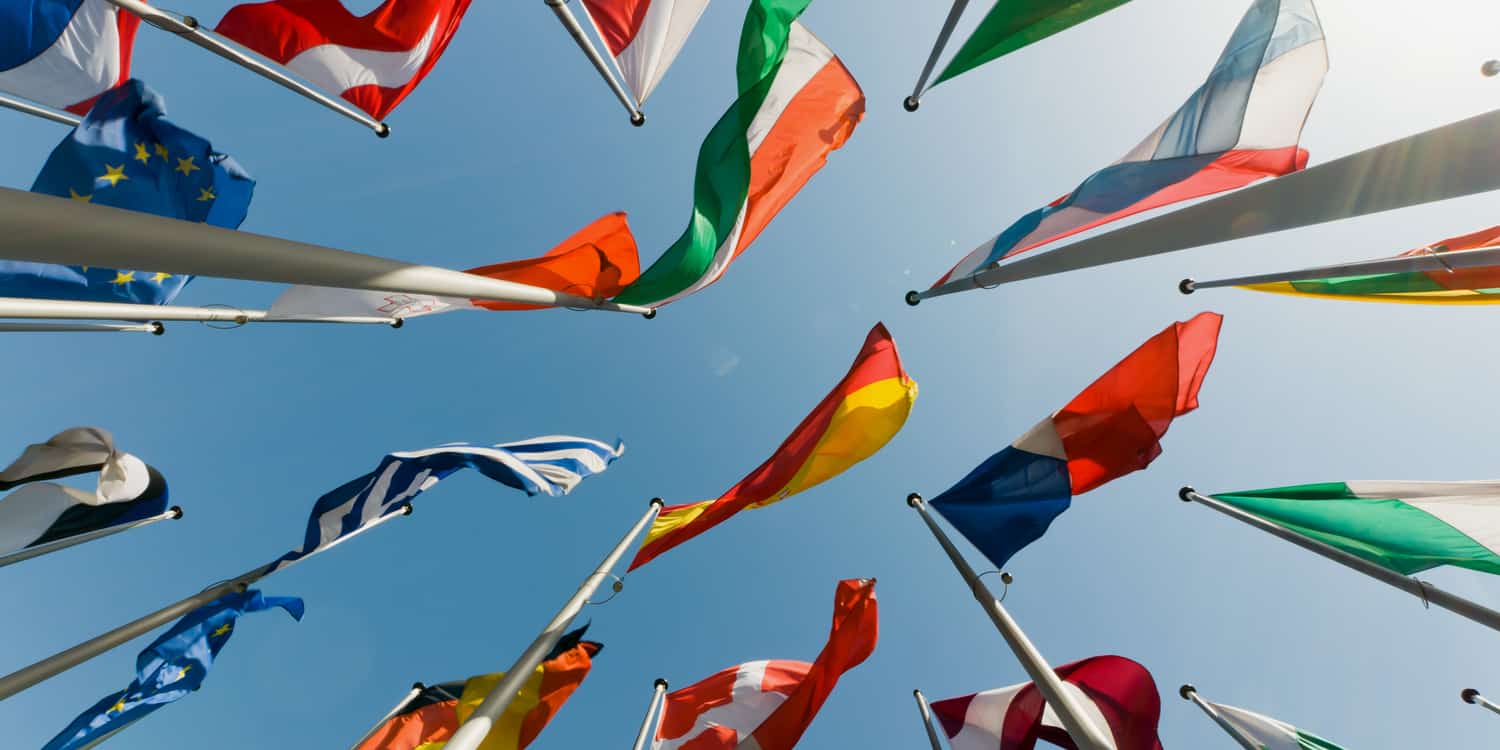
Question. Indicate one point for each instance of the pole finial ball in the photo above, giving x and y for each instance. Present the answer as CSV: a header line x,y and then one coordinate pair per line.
x,y
1490,69
913,499
1185,691
910,104
913,298
1469,694
1186,286
638,119
1186,494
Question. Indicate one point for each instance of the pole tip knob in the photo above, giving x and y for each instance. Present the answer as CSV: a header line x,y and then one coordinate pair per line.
x,y
398,322
910,104
913,298
1185,494
1490,68
649,314
638,119
661,683
658,502
384,131
1469,695
176,512
418,686
1185,691
157,328
406,511
1187,286
913,499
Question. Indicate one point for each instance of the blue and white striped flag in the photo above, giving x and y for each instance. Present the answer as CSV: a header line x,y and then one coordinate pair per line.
x,y
551,465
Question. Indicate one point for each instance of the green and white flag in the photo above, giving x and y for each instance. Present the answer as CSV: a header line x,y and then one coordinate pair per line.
x,y
1407,527
1013,24
1269,733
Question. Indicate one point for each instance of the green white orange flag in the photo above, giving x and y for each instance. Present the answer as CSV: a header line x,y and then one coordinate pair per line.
x,y
1269,733
1013,24
862,413
1407,527
797,103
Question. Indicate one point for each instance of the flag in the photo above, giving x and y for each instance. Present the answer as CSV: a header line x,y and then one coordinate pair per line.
x,y
64,53
597,262
1474,285
429,720
1114,427
1013,24
769,704
552,465
797,103
1407,527
1115,692
373,60
174,665
862,413
1243,124
644,36
126,154
1269,733
40,512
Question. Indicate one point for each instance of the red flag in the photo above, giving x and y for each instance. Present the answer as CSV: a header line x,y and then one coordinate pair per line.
x,y
596,262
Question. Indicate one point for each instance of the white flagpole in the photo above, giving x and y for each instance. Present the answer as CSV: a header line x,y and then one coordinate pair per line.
x,y
171,513
1473,698
658,691
915,100
473,731
1190,693
47,229
188,28
37,110
62,661
1452,161
926,712
48,309
1072,715
411,695
1439,262
569,22
152,328
1427,592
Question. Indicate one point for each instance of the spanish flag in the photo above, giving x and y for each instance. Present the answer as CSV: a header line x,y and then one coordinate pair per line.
x,y
430,719
865,410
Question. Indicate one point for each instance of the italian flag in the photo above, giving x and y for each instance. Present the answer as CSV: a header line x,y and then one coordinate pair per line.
x,y
797,103
1269,733
1407,527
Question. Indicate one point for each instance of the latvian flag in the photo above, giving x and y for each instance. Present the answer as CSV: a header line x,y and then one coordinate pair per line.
x,y
64,53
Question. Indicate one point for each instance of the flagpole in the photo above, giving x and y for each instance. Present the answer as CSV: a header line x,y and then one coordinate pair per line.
x,y
1427,592
62,661
657,693
152,328
926,712
1473,698
915,100
50,309
411,695
188,28
473,731
1069,712
37,110
172,513
1190,693
1426,262
47,229
570,22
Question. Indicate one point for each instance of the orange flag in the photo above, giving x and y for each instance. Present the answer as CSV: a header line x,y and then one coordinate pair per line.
x,y
598,262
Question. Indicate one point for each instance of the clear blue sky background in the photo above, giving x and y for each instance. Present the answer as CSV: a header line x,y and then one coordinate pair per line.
x,y
513,143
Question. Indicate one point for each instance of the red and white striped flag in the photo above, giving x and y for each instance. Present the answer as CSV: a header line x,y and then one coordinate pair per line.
x,y
644,36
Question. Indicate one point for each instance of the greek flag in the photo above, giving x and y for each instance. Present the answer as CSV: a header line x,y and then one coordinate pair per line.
x,y
551,465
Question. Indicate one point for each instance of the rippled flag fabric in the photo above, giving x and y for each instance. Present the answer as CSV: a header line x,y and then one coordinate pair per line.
x,y
1456,286
374,61
1243,124
862,413
644,36
174,665
1114,427
1269,733
64,53
126,154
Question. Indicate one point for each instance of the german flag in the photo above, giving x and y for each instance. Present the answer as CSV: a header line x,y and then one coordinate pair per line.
x,y
862,413
427,721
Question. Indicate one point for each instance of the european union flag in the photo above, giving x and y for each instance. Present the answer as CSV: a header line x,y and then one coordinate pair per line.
x,y
126,154
170,668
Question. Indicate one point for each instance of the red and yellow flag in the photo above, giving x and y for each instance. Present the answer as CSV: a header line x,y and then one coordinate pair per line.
x,y
598,262
862,413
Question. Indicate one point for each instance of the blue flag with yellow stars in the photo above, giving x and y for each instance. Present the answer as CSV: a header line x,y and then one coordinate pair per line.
x,y
126,154
171,667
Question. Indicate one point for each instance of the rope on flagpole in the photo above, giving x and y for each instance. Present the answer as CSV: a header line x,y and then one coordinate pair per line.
x,y
915,100
37,110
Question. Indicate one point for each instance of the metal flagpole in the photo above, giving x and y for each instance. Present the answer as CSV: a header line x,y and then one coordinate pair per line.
x,y
915,100
569,22
926,712
411,695
1190,693
49,309
473,731
47,229
188,28
1452,161
152,328
1069,712
37,110
1440,262
62,661
42,549
657,693
1473,698
1427,592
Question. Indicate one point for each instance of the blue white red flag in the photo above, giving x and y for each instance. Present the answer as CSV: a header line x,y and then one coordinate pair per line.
x,y
64,53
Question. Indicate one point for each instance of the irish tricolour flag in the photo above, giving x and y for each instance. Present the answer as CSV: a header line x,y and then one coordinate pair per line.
x,y
1407,527
1269,733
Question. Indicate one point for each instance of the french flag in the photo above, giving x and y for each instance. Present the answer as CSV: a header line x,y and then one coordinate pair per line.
x,y
1242,125
64,53
1114,427
373,60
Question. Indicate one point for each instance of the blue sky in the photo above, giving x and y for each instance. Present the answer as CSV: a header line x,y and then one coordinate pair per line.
x,y
512,144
